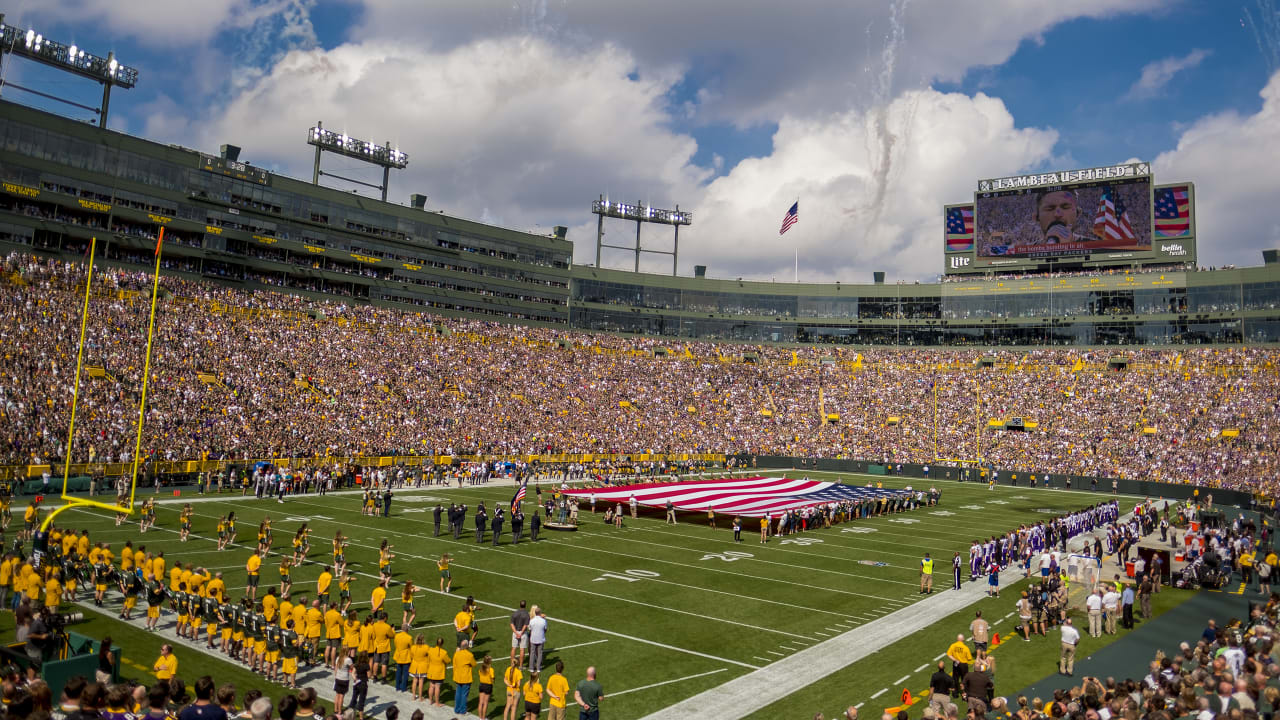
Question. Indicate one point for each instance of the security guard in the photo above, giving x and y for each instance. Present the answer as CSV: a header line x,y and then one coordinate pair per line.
x,y
926,575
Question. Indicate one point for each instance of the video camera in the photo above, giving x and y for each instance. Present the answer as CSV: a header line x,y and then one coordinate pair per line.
x,y
58,621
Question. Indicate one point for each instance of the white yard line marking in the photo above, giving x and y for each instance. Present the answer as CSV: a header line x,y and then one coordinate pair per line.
x,y
773,652
757,657
939,657
922,667
859,706
901,680
879,693
578,645
668,682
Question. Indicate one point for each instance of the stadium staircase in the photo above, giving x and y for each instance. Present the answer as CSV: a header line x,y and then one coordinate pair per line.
x,y
99,371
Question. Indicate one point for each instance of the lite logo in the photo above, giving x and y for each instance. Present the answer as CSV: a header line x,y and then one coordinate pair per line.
x,y
959,261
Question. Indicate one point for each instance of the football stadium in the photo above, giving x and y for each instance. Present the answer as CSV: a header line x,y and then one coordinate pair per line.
x,y
267,441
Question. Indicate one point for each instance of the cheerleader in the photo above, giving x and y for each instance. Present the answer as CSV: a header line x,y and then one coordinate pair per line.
x,y
222,533
384,560
184,522
406,604
286,577
301,544
446,577
339,553
231,528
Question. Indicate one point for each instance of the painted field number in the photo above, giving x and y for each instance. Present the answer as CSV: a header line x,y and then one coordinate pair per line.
x,y
728,556
801,541
629,576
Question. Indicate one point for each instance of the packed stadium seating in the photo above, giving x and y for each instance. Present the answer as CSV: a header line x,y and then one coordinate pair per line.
x,y
243,375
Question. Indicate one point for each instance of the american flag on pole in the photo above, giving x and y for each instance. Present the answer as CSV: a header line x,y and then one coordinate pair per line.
x,y
1173,211
749,496
515,501
791,218
1112,220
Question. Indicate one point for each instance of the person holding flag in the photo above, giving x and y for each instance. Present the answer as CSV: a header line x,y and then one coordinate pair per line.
x,y
520,493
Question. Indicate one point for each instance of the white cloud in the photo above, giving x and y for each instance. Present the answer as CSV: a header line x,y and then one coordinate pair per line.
x,y
1156,75
513,129
1231,160
860,209
763,60
167,23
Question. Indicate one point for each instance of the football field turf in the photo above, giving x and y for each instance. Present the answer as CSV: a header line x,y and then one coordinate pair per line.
x,y
662,611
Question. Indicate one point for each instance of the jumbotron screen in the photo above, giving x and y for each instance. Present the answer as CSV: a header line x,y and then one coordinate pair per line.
x,y
1069,219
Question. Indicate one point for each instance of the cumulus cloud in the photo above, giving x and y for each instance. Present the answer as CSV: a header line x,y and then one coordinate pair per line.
x,y
513,129
764,60
1230,158
1156,75
855,218
162,23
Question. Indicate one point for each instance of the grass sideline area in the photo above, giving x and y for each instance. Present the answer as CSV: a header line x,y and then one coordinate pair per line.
x,y
696,610
1019,664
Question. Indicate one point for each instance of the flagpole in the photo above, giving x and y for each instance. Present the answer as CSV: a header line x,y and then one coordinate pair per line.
x,y
797,249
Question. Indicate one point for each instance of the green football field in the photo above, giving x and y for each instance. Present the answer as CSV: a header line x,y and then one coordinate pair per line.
x,y
662,611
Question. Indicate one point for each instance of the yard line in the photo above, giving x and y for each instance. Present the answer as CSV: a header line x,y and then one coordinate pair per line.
x,y
757,657
823,634
833,629
922,667
775,652
667,682
578,645
1006,617
901,680
859,705
879,693
583,626
939,657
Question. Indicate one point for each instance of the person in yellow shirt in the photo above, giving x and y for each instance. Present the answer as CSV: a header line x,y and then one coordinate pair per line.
x,y
532,697
322,585
175,577
286,575
270,605
406,605
418,663
381,656
513,679
215,588
166,666
1264,581
402,658
31,517
437,661
464,664
351,632
366,636
557,692
253,567
6,580
379,596
344,591
126,558
332,634
961,658
484,688
53,591
311,621
157,566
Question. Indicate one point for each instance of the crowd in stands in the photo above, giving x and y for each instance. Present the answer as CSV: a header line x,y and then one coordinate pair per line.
x,y
367,380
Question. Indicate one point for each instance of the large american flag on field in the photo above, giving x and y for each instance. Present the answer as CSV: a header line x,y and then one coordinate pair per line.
x,y
1173,211
1112,220
749,497
791,218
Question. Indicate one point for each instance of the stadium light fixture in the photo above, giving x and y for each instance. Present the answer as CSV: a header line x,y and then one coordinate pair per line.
x,y
384,156
33,45
640,214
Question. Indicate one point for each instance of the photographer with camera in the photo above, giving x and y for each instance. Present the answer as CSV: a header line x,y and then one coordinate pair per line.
x,y
39,639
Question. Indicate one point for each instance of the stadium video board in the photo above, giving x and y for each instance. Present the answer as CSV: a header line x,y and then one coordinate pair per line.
x,y
1077,219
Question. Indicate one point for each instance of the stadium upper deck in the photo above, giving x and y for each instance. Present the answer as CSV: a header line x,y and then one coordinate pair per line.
x,y
64,182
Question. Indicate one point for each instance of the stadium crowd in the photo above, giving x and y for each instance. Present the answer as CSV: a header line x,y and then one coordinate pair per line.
x,y
303,378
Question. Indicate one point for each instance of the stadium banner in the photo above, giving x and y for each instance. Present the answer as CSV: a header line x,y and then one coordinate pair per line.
x,y
1051,221
958,227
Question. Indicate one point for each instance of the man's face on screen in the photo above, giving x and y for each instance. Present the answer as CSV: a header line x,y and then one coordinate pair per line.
x,y
1057,207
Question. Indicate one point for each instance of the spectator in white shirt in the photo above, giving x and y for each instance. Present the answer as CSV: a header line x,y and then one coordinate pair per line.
x,y
537,638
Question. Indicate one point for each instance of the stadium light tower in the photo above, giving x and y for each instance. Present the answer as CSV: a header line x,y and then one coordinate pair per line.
x,y
35,46
383,156
641,214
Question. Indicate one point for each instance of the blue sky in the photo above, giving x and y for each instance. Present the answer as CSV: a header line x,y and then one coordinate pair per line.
x,y
519,113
